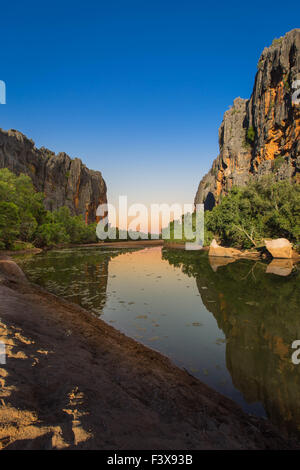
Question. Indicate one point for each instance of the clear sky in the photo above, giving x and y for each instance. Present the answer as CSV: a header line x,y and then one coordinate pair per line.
x,y
137,88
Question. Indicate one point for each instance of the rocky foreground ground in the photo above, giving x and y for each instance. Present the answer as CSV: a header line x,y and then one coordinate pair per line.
x,y
72,381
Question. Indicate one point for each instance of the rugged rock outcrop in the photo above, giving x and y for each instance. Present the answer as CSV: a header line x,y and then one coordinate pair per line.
x,y
64,181
260,135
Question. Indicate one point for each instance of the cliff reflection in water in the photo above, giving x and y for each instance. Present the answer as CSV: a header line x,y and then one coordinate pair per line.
x,y
259,314
231,324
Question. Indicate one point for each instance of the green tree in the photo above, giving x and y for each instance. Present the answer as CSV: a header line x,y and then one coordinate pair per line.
x,y
9,224
51,234
24,217
19,190
263,209
250,135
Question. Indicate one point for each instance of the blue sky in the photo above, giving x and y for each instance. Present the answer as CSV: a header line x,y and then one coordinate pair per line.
x,y
136,89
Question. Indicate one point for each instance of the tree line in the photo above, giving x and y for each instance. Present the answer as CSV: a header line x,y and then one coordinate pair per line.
x,y
24,221
265,208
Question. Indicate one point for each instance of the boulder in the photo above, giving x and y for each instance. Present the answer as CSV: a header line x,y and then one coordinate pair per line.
x,y
11,270
217,250
279,248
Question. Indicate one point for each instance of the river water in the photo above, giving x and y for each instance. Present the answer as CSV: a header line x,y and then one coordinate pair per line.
x,y
230,324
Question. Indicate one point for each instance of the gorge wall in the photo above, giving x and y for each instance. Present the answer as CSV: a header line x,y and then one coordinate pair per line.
x,y
64,181
261,135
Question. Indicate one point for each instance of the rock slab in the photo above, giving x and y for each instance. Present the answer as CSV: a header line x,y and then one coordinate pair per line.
x,y
217,250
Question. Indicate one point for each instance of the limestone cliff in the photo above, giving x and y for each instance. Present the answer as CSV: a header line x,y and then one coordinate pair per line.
x,y
64,181
260,135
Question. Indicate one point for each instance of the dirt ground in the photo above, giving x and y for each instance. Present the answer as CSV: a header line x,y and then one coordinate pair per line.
x,y
73,382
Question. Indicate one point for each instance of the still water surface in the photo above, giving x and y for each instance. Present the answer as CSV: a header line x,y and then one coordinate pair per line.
x,y
231,325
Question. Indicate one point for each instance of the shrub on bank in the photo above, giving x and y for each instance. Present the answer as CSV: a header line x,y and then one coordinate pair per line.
x,y
23,217
263,209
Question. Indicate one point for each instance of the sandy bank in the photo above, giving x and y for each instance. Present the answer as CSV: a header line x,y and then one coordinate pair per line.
x,y
72,381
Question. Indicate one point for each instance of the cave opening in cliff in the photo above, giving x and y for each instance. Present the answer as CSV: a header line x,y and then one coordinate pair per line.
x,y
209,202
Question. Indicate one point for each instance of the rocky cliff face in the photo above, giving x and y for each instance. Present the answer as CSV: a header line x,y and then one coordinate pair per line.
x,y
64,181
260,135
